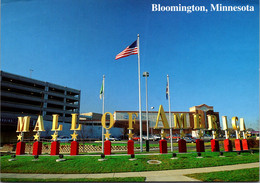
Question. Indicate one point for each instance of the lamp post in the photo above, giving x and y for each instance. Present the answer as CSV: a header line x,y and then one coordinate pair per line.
x,y
146,75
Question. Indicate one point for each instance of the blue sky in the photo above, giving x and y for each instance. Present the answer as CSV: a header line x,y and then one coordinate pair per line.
x,y
211,58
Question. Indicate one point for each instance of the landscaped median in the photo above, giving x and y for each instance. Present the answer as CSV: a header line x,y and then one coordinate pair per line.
x,y
116,163
117,179
244,175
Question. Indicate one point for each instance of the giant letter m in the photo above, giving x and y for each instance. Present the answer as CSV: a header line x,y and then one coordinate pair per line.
x,y
23,124
180,121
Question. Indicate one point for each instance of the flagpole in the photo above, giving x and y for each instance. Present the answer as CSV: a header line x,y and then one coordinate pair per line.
x,y
170,118
103,112
140,110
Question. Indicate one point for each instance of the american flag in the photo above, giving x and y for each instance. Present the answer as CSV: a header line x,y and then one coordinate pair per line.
x,y
167,90
130,50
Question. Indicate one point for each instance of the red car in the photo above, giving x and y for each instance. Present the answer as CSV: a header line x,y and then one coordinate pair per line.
x,y
173,137
136,138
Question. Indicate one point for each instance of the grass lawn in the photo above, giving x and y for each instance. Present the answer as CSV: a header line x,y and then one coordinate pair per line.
x,y
244,175
116,179
90,164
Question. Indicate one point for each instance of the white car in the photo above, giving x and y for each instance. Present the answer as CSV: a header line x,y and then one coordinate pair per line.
x,y
188,140
114,139
152,137
64,139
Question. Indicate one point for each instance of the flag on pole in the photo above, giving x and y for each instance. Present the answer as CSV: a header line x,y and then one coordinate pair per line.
x,y
167,90
130,50
101,92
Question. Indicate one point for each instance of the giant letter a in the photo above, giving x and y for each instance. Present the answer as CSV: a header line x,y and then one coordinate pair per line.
x,y
163,119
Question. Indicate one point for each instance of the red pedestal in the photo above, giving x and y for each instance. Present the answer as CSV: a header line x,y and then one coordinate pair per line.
x,y
37,148
55,148
238,145
74,148
20,148
227,145
107,147
130,147
245,144
200,145
163,146
182,146
214,145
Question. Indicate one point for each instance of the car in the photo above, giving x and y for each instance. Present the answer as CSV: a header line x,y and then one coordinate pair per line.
x,y
175,137
151,137
112,138
64,139
232,135
207,137
188,140
136,138
154,137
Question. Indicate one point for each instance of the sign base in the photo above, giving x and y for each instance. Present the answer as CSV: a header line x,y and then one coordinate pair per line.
x,y
130,147
200,145
245,144
74,148
163,146
227,145
37,148
214,145
182,146
20,148
238,145
55,148
147,146
107,147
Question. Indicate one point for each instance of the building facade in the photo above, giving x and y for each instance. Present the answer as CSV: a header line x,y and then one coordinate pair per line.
x,y
121,120
22,96
92,128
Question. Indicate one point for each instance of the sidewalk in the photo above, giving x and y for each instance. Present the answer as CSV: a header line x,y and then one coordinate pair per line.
x,y
166,175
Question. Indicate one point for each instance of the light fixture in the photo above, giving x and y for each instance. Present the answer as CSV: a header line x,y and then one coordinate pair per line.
x,y
102,156
60,156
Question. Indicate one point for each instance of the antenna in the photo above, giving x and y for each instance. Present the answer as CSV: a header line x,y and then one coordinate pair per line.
x,y
31,73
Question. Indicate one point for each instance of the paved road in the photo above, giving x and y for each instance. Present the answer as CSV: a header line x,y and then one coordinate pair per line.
x,y
166,175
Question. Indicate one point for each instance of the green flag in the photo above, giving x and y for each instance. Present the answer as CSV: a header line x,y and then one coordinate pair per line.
x,y
101,92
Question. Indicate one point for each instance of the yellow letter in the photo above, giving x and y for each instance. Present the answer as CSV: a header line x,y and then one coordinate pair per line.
x,y
55,123
234,123
212,122
103,120
180,121
74,122
163,117
224,121
23,124
131,120
197,121
39,124
242,124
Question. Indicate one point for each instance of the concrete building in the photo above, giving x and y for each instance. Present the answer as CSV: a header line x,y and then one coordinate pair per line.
x,y
22,96
92,128
121,120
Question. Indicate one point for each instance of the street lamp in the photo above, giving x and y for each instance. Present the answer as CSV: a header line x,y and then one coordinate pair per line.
x,y
146,75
